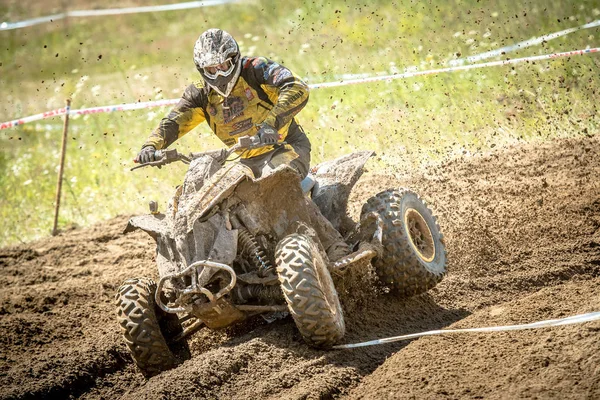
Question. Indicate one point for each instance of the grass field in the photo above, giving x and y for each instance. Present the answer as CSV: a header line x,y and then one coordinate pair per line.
x,y
140,57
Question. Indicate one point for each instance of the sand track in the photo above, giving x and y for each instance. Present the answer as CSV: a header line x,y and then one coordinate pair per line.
x,y
522,227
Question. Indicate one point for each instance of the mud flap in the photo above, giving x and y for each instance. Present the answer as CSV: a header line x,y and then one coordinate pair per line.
x,y
157,227
153,225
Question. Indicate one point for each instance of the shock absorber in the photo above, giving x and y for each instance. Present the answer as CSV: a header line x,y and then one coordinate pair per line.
x,y
256,254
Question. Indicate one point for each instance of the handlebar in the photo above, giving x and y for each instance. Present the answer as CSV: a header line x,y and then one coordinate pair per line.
x,y
167,156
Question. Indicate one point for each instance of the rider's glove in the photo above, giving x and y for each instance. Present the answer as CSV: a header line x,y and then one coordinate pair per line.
x,y
267,134
146,155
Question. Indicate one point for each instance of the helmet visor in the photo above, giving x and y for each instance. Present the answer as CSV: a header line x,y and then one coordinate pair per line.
x,y
223,69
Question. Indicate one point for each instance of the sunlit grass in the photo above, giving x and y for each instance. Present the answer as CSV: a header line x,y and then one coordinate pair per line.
x,y
408,122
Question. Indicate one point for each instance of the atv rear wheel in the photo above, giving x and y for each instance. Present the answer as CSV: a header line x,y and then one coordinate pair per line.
x,y
309,291
146,328
414,255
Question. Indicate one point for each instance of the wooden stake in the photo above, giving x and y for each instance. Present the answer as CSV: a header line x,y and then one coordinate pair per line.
x,y
61,168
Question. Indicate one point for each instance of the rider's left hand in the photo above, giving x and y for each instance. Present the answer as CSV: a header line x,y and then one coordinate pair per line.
x,y
267,134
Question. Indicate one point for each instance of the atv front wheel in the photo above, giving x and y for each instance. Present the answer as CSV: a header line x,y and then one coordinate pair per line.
x,y
146,327
309,291
414,255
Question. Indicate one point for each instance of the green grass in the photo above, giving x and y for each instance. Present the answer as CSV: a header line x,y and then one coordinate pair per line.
x,y
408,122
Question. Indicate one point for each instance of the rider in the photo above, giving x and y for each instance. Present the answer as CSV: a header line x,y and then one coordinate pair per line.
x,y
239,96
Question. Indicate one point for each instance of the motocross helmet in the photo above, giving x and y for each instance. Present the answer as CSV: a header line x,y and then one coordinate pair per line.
x,y
217,58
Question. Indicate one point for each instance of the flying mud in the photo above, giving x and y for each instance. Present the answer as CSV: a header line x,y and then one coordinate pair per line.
x,y
522,230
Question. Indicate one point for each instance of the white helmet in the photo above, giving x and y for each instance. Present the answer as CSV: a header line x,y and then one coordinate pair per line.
x,y
217,58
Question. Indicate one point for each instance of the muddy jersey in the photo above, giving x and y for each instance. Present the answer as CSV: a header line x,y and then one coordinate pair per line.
x,y
265,92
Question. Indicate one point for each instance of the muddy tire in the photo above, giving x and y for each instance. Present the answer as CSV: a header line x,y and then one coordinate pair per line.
x,y
309,291
414,255
146,328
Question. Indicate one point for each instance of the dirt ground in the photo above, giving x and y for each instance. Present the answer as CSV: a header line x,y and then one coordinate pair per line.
x,y
522,228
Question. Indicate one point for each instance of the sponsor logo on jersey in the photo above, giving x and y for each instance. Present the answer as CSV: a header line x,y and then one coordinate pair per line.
x,y
281,74
295,96
249,94
233,107
241,126
271,70
258,61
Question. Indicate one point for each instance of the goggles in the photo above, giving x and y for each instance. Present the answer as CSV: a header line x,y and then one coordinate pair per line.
x,y
223,69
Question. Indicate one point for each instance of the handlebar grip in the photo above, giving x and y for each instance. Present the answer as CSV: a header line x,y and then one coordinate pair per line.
x,y
158,154
248,141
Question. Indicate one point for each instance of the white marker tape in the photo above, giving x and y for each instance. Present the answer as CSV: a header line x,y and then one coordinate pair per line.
x,y
30,22
506,49
149,104
86,111
576,319
125,107
31,118
135,10
522,45
4,26
453,69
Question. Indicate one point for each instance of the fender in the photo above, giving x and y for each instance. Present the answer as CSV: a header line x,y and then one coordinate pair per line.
x,y
335,179
153,225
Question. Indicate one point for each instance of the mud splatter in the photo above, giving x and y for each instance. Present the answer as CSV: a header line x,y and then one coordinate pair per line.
x,y
522,227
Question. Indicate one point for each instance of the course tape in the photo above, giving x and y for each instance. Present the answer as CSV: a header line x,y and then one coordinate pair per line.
x,y
522,45
576,319
454,69
87,111
4,26
504,50
149,104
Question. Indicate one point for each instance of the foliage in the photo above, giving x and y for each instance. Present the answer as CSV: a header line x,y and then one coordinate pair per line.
x,y
141,57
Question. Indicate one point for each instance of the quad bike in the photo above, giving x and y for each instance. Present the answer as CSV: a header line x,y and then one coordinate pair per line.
x,y
231,246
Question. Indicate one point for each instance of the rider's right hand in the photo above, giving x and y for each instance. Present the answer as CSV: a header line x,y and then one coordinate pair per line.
x,y
267,134
146,155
